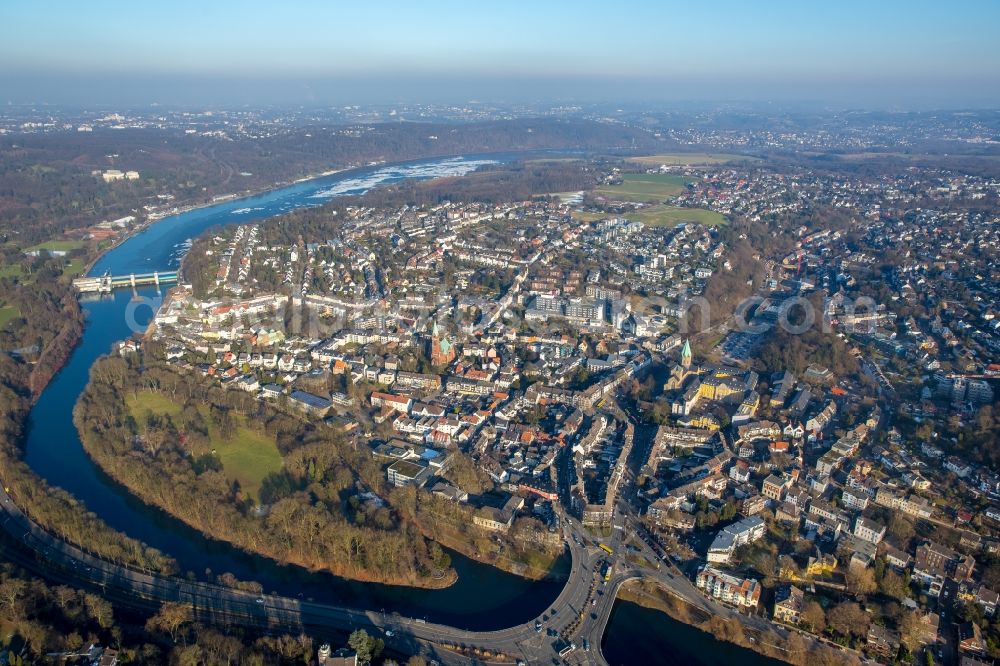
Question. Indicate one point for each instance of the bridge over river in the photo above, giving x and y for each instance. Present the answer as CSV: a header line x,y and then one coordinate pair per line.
x,y
105,283
570,631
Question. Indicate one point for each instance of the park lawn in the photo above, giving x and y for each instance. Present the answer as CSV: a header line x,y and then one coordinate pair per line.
x,y
645,187
74,268
670,216
7,312
688,159
151,401
65,245
11,271
583,216
248,457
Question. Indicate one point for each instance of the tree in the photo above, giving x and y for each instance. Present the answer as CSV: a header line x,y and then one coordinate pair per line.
x,y
796,648
416,660
991,574
366,646
893,585
911,630
861,582
848,619
100,609
901,527
170,618
985,419
814,616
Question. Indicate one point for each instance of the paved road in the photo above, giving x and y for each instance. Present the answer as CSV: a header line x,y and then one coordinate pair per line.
x,y
44,553
575,621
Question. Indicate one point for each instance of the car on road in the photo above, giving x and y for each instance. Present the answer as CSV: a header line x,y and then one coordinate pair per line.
x,y
538,627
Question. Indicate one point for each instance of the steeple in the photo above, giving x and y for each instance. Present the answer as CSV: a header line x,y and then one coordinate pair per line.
x,y
686,354
442,350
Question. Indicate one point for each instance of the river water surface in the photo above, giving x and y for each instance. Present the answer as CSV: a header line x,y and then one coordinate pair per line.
x,y
483,598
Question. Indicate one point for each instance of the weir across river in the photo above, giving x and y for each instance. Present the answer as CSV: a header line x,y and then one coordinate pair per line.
x,y
105,283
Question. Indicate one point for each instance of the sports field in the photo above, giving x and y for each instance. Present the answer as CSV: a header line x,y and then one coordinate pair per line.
x,y
63,245
644,187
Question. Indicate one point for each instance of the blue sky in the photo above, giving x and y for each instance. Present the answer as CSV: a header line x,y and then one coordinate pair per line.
x,y
938,52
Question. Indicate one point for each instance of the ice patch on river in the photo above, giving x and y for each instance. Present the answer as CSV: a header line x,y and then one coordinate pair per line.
x,y
455,166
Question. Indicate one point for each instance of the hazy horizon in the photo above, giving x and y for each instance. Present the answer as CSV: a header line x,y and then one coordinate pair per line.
x,y
896,55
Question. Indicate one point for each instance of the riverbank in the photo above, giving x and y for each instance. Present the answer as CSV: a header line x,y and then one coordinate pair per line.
x,y
160,444
153,218
556,569
793,649
225,525
54,452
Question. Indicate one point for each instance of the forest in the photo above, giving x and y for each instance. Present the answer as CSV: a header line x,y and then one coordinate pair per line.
x,y
46,185
328,507
39,620
316,513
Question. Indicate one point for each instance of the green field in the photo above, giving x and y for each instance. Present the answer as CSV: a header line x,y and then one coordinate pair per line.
x,y
11,271
74,268
150,401
7,313
248,457
688,159
644,187
669,216
661,216
64,245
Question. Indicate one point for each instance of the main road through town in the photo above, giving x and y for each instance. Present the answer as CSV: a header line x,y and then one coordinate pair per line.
x,y
574,623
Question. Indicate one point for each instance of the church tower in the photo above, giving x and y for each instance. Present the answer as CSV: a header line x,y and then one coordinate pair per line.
x,y
442,350
686,355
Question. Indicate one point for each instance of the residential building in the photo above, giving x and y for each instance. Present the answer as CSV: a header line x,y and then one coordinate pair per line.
x,y
788,604
732,537
729,589
870,530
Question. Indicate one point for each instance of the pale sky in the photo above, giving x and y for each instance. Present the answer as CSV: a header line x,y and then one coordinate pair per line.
x,y
885,52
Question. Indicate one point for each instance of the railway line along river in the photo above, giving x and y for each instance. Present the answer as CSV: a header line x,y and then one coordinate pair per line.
x,y
483,598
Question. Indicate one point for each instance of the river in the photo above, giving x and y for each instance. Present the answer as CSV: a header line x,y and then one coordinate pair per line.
x,y
483,598
54,451
640,635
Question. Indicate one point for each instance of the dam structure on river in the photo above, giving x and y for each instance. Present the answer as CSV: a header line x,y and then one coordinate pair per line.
x,y
105,283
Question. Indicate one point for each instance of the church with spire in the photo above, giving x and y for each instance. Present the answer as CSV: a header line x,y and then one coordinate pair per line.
x,y
442,350
691,385
681,371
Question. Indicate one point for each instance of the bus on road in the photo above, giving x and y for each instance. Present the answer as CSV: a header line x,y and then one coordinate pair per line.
x,y
607,549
